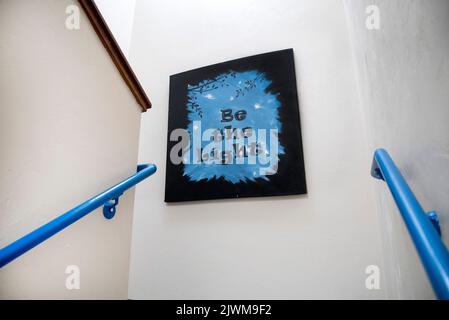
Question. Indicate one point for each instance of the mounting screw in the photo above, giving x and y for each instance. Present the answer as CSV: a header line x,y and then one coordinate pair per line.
x,y
433,217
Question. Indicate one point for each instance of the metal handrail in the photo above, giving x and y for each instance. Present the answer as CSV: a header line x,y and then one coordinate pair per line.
x,y
108,199
423,228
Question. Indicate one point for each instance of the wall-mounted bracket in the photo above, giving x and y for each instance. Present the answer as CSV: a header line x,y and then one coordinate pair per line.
x,y
109,208
375,171
433,217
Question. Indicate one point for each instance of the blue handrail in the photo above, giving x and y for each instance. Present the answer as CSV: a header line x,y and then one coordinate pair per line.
x,y
108,199
431,249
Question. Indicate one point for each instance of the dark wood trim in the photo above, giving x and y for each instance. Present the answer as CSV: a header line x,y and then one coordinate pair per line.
x,y
106,37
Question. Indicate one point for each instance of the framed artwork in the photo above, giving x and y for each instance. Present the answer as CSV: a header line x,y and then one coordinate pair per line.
x,y
234,130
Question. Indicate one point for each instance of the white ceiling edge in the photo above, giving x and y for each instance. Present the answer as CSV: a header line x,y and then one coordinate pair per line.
x,y
119,15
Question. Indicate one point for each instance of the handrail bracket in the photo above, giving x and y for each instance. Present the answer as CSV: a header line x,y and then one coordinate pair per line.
x,y
375,171
109,207
435,220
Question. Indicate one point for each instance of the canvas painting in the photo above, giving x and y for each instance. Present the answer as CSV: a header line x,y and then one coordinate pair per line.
x,y
234,130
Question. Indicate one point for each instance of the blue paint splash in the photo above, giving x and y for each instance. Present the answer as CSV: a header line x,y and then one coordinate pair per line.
x,y
236,91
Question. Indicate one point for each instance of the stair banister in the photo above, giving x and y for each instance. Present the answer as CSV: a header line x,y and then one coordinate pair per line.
x,y
108,199
423,227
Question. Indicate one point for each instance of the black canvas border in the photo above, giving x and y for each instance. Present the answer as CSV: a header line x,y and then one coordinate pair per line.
x,y
278,67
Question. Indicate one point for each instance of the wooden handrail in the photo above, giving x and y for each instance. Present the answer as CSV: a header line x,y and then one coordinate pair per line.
x,y
104,33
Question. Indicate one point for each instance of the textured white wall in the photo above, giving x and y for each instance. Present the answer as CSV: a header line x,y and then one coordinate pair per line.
x,y
69,129
313,246
403,75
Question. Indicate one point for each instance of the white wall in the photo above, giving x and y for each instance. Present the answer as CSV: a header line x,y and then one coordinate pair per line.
x,y
313,246
69,129
403,75
119,15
